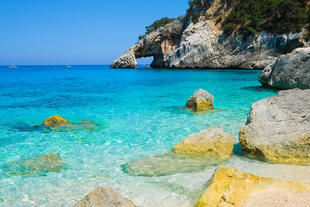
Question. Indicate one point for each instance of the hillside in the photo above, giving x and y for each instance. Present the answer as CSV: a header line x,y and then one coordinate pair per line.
x,y
243,34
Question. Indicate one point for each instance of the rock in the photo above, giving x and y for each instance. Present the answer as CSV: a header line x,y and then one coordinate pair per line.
x,y
157,44
210,142
167,164
201,100
127,60
278,128
104,197
183,44
55,121
289,71
232,188
194,153
40,165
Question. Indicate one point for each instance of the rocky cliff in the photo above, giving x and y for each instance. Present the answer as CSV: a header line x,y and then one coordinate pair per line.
x,y
202,43
288,71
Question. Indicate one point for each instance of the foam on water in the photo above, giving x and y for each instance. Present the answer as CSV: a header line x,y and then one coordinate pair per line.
x,y
138,113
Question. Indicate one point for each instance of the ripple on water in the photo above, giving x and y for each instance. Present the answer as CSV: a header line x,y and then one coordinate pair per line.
x,y
139,113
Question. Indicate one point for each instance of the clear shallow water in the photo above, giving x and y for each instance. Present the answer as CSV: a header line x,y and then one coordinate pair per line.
x,y
139,113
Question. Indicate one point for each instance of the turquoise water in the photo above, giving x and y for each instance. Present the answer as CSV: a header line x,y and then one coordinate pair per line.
x,y
137,113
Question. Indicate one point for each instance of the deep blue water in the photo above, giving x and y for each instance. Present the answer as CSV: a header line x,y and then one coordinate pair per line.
x,y
137,113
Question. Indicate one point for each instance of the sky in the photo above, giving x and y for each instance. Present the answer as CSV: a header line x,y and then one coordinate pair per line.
x,y
51,32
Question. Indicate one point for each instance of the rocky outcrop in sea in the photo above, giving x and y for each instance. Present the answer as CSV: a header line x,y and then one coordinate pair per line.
x,y
200,100
278,128
185,44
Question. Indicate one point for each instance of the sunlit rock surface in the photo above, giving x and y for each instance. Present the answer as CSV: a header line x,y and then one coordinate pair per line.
x,y
289,71
278,128
104,197
200,100
210,142
194,153
231,188
55,121
203,45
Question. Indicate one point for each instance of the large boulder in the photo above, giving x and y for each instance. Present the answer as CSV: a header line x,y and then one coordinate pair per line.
x,y
232,188
104,197
278,128
55,121
40,165
209,147
210,142
289,71
200,101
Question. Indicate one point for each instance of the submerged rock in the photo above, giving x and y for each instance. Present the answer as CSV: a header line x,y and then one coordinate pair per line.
x,y
278,128
40,165
288,71
168,164
210,142
200,100
194,153
232,188
104,197
55,121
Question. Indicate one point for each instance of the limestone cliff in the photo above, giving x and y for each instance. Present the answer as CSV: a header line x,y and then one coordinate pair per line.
x,y
185,43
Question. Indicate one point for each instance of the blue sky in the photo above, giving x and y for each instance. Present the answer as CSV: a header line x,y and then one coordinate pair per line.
x,y
76,31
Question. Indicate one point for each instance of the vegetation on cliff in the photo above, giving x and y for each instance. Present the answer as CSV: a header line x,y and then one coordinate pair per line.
x,y
156,25
250,17
193,12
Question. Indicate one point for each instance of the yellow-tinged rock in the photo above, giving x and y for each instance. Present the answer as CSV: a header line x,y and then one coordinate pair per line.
x,y
54,121
200,101
210,142
233,188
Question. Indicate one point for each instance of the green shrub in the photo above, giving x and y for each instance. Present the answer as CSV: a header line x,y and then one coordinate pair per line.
x,y
193,12
229,28
156,25
159,23
277,16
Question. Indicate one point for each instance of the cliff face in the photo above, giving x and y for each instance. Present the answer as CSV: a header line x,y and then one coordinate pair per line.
x,y
185,44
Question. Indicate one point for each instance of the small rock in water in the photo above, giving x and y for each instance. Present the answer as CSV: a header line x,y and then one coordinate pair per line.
x,y
230,187
209,147
55,121
200,101
104,197
86,124
40,165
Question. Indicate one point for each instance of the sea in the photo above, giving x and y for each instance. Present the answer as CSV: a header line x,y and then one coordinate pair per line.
x,y
119,115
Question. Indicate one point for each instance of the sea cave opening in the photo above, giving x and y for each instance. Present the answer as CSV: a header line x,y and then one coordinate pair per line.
x,y
144,62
